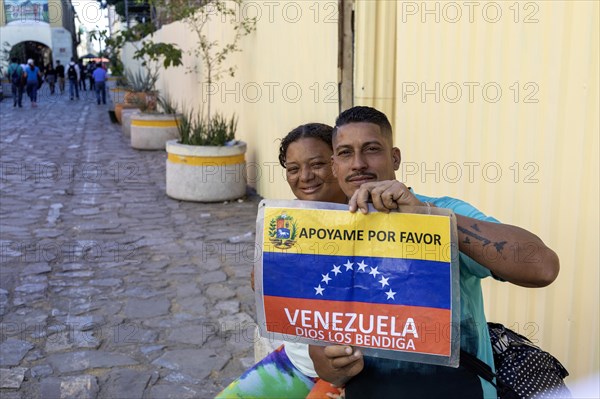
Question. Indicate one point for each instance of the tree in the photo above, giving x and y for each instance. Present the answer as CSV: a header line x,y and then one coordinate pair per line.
x,y
197,14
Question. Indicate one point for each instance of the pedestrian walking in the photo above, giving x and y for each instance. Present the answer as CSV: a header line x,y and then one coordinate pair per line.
x,y
60,74
15,73
73,76
82,76
33,76
99,75
91,66
51,78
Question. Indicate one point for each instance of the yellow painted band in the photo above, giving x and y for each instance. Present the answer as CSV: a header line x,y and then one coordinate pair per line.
x,y
206,161
150,123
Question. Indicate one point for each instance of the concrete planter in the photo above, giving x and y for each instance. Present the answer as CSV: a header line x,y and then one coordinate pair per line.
x,y
117,94
152,131
205,173
119,107
126,115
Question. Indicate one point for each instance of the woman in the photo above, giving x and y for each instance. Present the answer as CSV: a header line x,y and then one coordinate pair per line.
x,y
33,75
287,372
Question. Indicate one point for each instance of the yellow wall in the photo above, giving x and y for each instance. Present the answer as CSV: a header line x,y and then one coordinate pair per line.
x,y
286,76
544,143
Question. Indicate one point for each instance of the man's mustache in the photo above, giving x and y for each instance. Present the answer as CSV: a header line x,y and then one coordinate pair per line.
x,y
360,174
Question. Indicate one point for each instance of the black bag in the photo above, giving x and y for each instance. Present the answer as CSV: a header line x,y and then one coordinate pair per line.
x,y
523,370
71,72
16,77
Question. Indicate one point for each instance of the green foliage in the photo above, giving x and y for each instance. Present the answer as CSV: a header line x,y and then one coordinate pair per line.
x,y
212,53
272,228
154,52
150,53
195,129
116,66
141,81
167,105
294,230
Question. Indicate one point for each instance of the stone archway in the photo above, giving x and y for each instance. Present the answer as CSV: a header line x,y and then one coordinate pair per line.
x,y
39,52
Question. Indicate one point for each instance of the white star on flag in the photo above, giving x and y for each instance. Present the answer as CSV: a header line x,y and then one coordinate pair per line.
x,y
362,266
348,265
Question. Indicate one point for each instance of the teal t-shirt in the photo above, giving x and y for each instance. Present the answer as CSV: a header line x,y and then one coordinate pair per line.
x,y
475,337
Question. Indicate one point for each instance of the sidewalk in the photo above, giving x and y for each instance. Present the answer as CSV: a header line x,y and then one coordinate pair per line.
x,y
108,288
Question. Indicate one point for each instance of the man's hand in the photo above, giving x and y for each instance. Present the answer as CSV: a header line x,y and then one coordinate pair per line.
x,y
336,363
385,195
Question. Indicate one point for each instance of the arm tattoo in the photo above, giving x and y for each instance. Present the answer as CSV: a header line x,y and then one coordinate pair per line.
x,y
498,245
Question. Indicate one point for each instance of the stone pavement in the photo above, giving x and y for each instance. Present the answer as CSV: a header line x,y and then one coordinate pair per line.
x,y
108,288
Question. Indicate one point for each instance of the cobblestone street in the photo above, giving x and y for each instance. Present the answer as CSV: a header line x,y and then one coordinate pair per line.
x,y
108,288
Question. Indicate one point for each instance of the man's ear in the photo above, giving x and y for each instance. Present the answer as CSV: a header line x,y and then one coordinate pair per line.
x,y
396,157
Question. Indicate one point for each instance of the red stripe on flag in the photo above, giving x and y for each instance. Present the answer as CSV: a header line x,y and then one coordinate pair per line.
x,y
393,327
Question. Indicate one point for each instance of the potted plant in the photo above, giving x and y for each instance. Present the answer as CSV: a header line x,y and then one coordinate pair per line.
x,y
138,92
207,164
151,129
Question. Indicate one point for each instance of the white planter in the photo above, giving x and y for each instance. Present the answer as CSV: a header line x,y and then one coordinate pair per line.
x,y
126,116
152,131
205,173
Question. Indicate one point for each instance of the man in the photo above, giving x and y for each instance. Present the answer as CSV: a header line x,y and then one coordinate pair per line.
x,y
60,74
364,161
73,76
51,78
90,73
82,75
15,75
99,75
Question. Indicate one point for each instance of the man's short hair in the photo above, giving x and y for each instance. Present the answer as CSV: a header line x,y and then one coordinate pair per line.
x,y
364,114
14,60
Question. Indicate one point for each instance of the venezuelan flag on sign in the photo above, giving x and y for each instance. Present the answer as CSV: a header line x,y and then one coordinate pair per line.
x,y
379,281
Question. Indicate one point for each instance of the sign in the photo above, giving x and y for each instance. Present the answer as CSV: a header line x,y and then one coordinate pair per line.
x,y
26,11
383,282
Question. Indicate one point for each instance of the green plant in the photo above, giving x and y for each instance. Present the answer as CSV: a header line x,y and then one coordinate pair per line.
x,y
142,81
211,52
121,80
166,104
195,129
206,128
153,55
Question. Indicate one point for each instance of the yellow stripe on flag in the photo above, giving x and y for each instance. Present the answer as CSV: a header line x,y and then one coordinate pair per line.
x,y
206,161
341,233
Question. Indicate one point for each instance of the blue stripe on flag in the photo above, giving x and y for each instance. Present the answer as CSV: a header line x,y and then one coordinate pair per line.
x,y
408,282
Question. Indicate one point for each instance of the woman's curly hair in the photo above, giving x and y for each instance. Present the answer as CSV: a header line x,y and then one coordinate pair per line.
x,y
319,131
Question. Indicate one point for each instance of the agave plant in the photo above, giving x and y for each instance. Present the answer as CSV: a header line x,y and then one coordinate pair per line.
x,y
141,81
166,104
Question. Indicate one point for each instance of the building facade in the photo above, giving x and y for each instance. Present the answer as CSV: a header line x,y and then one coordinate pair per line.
x,y
43,30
